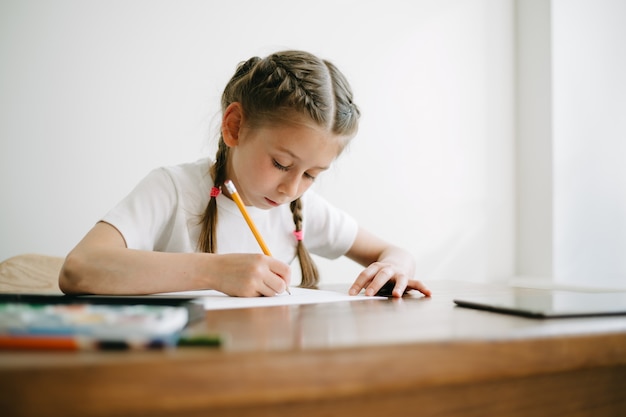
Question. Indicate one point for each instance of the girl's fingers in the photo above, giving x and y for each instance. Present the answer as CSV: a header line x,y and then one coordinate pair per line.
x,y
363,279
400,287
375,276
273,285
419,286
372,279
384,274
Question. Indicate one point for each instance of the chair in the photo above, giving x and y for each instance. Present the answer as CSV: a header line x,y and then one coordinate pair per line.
x,y
31,273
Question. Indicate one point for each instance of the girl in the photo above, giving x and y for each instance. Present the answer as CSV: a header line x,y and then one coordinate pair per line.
x,y
285,119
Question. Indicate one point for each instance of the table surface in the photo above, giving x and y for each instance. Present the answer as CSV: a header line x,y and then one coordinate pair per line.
x,y
334,358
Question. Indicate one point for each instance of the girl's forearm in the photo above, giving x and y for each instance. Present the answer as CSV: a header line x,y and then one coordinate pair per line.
x,y
127,271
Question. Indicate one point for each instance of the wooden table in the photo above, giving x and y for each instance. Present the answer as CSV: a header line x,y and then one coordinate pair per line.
x,y
413,356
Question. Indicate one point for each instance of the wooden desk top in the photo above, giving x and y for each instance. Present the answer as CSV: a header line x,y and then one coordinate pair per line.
x,y
368,357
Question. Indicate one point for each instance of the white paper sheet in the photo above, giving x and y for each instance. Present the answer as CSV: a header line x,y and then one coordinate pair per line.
x,y
215,300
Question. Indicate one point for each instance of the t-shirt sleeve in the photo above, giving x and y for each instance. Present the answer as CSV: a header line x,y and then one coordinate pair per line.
x,y
144,214
328,231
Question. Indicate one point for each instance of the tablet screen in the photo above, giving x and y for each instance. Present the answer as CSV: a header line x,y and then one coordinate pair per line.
x,y
547,303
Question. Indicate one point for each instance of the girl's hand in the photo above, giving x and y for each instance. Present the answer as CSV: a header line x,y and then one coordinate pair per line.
x,y
375,276
250,275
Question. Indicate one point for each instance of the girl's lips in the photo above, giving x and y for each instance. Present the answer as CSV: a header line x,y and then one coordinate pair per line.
x,y
271,202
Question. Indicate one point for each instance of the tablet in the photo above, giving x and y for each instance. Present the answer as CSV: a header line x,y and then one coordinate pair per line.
x,y
549,303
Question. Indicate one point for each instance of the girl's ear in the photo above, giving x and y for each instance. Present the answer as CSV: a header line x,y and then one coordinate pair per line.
x,y
232,121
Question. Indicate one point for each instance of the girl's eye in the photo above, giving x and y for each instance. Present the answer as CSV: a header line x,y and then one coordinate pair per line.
x,y
284,168
279,166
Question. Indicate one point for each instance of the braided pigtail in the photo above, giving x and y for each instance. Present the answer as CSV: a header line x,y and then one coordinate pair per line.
x,y
207,241
310,274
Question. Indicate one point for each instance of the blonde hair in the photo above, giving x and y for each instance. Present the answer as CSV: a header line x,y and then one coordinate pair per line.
x,y
268,89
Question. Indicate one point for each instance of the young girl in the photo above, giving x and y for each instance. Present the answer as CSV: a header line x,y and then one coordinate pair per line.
x,y
285,119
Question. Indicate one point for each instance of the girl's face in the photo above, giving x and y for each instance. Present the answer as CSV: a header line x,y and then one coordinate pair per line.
x,y
276,164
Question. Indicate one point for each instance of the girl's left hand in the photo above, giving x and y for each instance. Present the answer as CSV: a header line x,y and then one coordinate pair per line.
x,y
387,263
375,276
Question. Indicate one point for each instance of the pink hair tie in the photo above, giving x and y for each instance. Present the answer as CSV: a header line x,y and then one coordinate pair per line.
x,y
299,234
215,191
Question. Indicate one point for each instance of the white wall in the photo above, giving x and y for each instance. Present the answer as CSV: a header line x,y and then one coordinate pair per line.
x,y
533,152
589,75
571,141
95,94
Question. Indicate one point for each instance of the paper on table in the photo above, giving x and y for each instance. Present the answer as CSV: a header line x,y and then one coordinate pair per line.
x,y
215,300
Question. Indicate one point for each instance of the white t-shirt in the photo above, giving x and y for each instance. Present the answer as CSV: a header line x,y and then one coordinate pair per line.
x,y
164,211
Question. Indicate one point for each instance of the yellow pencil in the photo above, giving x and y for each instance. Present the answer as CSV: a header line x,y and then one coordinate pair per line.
x,y
232,190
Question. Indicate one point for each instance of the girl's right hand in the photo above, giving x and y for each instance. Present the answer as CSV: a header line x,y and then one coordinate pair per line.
x,y
249,275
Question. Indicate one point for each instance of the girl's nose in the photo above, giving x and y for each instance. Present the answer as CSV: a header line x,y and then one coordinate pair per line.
x,y
289,186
